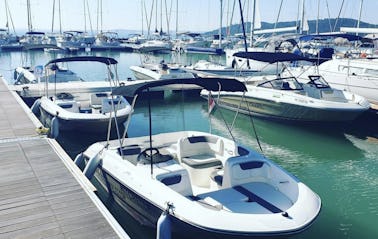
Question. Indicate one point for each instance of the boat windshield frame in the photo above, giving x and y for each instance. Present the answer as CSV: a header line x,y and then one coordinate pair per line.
x,y
318,81
286,83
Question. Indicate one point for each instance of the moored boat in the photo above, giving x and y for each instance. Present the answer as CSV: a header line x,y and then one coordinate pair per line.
x,y
96,114
284,98
204,183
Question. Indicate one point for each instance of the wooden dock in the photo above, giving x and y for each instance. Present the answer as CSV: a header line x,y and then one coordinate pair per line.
x,y
42,193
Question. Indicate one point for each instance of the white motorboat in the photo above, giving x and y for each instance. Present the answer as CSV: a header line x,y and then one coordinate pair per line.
x,y
357,75
285,98
28,75
207,68
155,46
160,71
92,115
201,183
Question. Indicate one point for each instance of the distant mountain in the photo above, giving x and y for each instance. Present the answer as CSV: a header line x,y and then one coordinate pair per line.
x,y
325,25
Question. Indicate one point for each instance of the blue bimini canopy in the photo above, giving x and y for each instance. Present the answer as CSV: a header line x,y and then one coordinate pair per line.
x,y
105,60
210,84
324,37
272,57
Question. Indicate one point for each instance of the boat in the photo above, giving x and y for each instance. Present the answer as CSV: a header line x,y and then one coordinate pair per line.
x,y
34,40
285,98
205,184
72,41
160,71
154,46
109,41
355,74
281,43
88,115
28,75
207,68
8,41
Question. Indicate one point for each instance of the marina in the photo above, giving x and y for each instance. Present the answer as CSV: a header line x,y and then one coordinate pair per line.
x,y
339,163
189,119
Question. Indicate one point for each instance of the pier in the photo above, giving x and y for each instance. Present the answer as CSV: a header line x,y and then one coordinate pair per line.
x,y
43,194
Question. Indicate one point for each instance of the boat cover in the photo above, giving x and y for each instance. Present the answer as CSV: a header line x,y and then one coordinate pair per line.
x,y
105,60
349,37
272,57
210,84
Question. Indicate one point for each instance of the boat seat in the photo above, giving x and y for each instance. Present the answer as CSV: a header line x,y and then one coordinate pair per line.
x,y
239,170
96,100
268,193
200,155
200,151
224,196
107,107
69,105
130,153
177,178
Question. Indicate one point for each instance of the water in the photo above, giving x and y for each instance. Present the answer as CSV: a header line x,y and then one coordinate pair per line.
x,y
338,163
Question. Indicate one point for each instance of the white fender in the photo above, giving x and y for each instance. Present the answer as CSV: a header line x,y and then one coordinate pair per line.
x,y
35,107
54,129
164,226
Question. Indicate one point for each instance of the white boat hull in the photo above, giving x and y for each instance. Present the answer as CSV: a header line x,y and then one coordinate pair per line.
x,y
96,123
290,105
145,197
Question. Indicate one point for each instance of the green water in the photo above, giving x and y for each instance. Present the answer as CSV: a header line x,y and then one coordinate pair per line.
x,y
338,163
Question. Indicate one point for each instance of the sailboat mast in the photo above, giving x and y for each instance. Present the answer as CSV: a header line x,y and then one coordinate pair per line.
x,y
141,7
30,26
359,17
176,18
220,24
85,18
253,23
6,14
303,18
317,19
156,17
53,17
161,17
9,17
60,18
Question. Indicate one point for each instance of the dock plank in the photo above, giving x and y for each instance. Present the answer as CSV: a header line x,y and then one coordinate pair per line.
x,y
39,195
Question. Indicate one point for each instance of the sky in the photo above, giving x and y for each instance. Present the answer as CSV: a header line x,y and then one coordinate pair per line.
x,y
193,15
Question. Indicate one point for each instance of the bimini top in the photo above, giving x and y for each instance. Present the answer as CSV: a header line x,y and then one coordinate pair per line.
x,y
273,57
210,84
105,60
349,37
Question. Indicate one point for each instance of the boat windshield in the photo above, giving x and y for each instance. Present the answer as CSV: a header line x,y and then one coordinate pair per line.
x,y
289,83
318,81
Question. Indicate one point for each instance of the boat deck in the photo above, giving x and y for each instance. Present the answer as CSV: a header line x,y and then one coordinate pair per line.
x,y
42,196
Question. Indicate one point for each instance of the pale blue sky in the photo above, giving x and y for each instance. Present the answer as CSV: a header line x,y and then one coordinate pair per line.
x,y
194,15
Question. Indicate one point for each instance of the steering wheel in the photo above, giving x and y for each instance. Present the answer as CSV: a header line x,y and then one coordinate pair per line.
x,y
147,154
64,96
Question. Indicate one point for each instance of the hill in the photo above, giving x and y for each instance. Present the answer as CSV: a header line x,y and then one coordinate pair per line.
x,y
325,25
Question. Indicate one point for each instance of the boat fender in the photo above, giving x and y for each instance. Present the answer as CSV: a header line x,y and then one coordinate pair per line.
x,y
15,75
91,166
79,159
233,64
35,107
164,223
54,130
